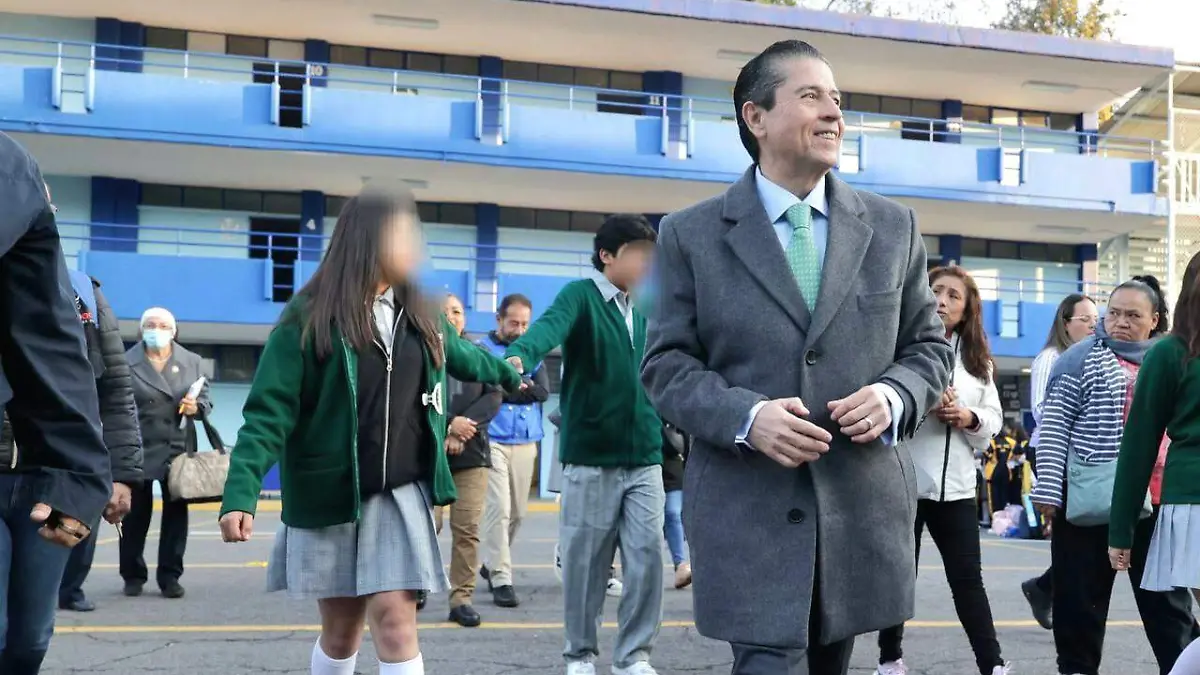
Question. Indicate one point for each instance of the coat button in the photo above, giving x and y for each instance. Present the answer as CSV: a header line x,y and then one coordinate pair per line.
x,y
795,516
810,357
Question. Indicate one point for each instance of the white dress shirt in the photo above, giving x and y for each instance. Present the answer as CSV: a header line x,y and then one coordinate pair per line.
x,y
776,200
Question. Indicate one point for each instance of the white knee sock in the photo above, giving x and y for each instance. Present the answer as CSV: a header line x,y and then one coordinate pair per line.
x,y
1189,660
322,664
414,666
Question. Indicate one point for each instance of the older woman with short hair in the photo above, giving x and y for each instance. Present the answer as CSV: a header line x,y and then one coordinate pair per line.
x,y
163,372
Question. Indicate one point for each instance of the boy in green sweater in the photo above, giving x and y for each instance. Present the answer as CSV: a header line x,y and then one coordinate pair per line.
x,y
611,449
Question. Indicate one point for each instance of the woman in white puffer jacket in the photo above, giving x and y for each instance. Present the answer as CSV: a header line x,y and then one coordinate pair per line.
x,y
943,451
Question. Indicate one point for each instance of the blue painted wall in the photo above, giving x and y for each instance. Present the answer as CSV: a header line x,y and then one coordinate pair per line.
x,y
167,108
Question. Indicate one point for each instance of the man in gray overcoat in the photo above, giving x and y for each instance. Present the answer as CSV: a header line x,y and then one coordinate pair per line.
x,y
795,337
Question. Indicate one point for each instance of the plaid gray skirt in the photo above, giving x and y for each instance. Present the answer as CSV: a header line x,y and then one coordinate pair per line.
x,y
1173,560
392,547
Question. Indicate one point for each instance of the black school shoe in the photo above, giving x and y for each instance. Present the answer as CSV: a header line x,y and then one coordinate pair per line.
x,y
465,616
505,596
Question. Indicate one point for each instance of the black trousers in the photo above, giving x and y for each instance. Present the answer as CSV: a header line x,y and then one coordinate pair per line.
x,y
1083,582
172,540
79,565
831,659
955,531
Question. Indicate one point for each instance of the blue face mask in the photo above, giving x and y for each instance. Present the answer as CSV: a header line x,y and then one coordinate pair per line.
x,y
157,338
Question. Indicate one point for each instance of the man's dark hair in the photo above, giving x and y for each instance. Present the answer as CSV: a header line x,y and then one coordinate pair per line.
x,y
510,300
759,79
618,230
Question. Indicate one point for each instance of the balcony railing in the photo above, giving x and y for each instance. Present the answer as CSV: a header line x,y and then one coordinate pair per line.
x,y
75,64
283,250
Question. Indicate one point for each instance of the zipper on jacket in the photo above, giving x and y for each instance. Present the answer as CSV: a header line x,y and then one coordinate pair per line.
x,y
387,396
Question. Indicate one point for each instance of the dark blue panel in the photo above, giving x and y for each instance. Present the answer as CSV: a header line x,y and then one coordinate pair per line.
x,y
1085,253
1142,177
491,69
988,165
108,32
132,35
114,209
312,225
317,51
655,219
950,246
487,236
951,110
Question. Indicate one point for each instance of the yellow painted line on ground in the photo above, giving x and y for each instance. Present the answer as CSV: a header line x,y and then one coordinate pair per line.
x,y
506,626
275,506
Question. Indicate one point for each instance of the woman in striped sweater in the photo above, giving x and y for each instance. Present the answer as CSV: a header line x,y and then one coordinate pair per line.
x,y
1082,423
1075,320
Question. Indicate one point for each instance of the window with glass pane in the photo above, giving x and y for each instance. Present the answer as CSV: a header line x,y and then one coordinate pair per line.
x,y
460,65
890,105
933,244
1009,250
347,55
591,77
974,248
243,45
977,113
334,206
458,214
166,38
517,217
867,103
555,74
1005,117
586,221
425,63
281,202
1035,252
553,220
235,363
1061,253
385,58
429,212
520,70
201,198
625,81
243,200
155,194
1034,119
927,109
1062,121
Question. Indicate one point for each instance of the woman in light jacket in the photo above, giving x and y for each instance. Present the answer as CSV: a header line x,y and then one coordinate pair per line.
x,y
943,451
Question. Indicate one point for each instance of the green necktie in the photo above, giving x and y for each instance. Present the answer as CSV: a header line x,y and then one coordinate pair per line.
x,y
802,253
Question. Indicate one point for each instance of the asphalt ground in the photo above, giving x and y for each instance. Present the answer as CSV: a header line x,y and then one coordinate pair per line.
x,y
228,625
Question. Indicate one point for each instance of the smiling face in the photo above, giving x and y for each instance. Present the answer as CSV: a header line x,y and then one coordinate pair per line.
x,y
804,127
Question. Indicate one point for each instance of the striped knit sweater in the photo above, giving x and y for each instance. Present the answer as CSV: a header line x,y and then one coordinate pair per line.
x,y
1084,414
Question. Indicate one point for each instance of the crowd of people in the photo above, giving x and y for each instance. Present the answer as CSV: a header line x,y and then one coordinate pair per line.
x,y
387,421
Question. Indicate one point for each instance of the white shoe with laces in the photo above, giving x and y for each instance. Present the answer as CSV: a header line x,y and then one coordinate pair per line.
x,y
639,668
581,668
1003,670
896,667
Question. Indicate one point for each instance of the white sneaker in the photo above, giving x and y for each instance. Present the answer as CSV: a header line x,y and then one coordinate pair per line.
x,y
581,668
614,590
557,564
892,668
639,668
1003,670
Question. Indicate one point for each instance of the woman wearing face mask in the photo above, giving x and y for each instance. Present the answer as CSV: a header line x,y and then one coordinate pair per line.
x,y
350,399
943,452
1075,320
163,372
1083,421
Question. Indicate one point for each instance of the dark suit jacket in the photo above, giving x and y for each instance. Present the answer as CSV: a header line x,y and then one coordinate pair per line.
x,y
158,406
46,382
731,329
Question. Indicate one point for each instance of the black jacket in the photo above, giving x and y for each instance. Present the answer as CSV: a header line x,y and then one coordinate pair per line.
x,y
47,386
479,403
118,412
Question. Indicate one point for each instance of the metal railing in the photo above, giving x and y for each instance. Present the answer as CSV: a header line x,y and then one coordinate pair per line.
x,y
284,249
494,97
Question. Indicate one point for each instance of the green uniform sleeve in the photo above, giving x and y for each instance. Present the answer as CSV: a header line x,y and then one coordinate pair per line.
x,y
551,328
1153,405
467,362
269,416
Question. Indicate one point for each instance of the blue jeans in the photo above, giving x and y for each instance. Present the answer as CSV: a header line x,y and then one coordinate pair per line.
x,y
30,571
673,527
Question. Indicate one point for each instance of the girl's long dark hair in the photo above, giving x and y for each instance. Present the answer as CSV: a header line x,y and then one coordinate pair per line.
x,y
976,353
341,292
1187,309
1059,339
